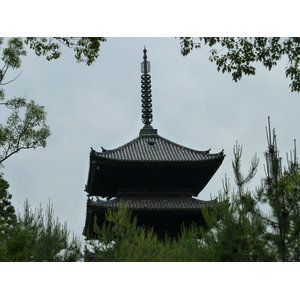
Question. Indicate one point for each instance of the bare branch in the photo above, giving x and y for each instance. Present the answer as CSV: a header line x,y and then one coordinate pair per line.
x,y
11,80
16,151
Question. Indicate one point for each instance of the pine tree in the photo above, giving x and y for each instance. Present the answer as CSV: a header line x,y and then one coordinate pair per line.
x,y
240,230
39,237
120,239
282,196
237,233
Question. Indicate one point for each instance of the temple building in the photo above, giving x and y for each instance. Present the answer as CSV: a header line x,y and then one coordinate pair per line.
x,y
155,178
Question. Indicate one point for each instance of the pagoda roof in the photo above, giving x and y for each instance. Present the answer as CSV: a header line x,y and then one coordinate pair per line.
x,y
152,203
154,148
164,214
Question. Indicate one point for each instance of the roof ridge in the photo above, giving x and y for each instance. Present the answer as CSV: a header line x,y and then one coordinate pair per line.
x,y
156,148
163,138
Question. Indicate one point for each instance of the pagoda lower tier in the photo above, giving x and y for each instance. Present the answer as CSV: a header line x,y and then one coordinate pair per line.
x,y
166,215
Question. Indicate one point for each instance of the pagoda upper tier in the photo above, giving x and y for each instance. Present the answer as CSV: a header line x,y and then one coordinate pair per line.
x,y
154,148
150,164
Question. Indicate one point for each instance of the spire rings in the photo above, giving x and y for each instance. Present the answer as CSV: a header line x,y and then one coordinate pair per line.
x,y
146,90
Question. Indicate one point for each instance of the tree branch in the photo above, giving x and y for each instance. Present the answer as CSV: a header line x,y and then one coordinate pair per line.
x,y
11,80
16,151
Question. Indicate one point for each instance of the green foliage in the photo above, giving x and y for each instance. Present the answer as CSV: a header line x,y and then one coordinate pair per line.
x,y
238,225
188,247
7,211
282,195
26,126
24,129
11,55
33,236
86,48
121,239
39,237
238,55
241,231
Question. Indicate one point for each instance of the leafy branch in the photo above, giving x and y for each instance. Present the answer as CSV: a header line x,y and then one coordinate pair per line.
x,y
23,132
86,48
238,55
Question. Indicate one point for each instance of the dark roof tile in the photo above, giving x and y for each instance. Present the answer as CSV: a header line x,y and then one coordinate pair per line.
x,y
156,148
158,203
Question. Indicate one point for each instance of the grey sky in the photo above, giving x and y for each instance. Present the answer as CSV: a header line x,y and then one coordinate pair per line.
x,y
100,105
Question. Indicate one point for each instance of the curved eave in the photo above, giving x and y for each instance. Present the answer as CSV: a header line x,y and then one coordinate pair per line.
x,y
208,158
152,203
156,210
212,160
154,148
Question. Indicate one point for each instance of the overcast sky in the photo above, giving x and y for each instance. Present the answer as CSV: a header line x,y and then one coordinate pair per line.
x,y
100,105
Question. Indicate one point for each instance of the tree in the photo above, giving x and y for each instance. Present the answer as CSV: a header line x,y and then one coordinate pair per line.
x,y
7,211
241,231
121,239
86,48
282,195
26,126
238,55
39,237
31,238
238,226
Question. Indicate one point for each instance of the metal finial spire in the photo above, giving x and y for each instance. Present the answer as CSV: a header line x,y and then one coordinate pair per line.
x,y
146,90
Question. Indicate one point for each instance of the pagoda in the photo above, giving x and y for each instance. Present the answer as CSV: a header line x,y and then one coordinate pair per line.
x,y
155,178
